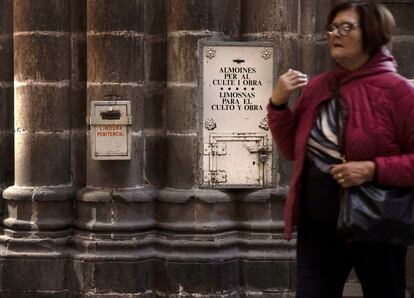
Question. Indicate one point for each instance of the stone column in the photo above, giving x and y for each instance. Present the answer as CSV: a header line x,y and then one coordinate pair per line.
x,y
78,92
6,94
115,211
38,207
314,55
402,44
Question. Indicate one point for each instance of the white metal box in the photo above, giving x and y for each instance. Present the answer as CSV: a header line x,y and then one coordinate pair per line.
x,y
110,130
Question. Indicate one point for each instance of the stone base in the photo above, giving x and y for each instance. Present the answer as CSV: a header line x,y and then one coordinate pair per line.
x,y
141,242
38,208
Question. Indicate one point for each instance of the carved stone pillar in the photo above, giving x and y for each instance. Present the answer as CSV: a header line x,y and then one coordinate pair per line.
x,y
115,211
78,92
38,207
313,44
6,95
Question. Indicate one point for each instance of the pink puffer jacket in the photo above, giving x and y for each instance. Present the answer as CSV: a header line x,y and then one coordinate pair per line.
x,y
379,125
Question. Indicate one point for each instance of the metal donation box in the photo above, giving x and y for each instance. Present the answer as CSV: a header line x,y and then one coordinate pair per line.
x,y
235,85
110,123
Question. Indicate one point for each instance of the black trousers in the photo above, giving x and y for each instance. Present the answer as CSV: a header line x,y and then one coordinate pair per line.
x,y
324,261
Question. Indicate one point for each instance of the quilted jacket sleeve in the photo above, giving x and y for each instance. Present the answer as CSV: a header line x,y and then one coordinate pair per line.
x,y
282,124
399,170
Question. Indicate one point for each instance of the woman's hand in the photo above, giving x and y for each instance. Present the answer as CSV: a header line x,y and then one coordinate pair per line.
x,y
286,84
353,173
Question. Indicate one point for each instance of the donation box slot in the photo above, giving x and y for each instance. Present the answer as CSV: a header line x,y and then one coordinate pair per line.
x,y
110,123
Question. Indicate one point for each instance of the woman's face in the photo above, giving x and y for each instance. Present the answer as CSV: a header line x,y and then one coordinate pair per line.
x,y
347,49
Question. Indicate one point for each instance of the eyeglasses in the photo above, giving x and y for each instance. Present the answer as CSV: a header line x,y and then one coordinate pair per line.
x,y
343,29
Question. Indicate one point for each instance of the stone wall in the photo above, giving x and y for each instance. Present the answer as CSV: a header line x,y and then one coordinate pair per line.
x,y
78,227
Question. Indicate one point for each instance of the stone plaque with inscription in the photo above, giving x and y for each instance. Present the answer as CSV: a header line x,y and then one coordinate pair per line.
x,y
235,85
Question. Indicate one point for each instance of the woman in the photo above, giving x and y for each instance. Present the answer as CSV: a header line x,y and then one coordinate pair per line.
x,y
377,128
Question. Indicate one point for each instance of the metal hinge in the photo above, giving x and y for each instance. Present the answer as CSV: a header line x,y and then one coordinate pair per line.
x,y
215,149
215,177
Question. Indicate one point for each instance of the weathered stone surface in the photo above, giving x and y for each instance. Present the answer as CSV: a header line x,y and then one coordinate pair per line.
x,y
53,207
78,93
34,274
264,275
410,269
269,15
197,277
6,159
284,171
96,217
80,275
37,294
136,210
78,16
6,16
313,17
117,277
155,17
78,157
176,217
49,215
42,159
42,108
78,51
155,60
129,216
154,107
115,58
181,161
118,173
182,109
213,15
6,94
116,215
78,108
114,295
286,52
314,56
292,275
155,160
6,57
42,57
182,58
41,15
403,49
115,15
122,210
403,14
6,108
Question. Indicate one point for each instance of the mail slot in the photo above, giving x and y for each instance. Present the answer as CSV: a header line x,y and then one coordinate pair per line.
x,y
110,128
